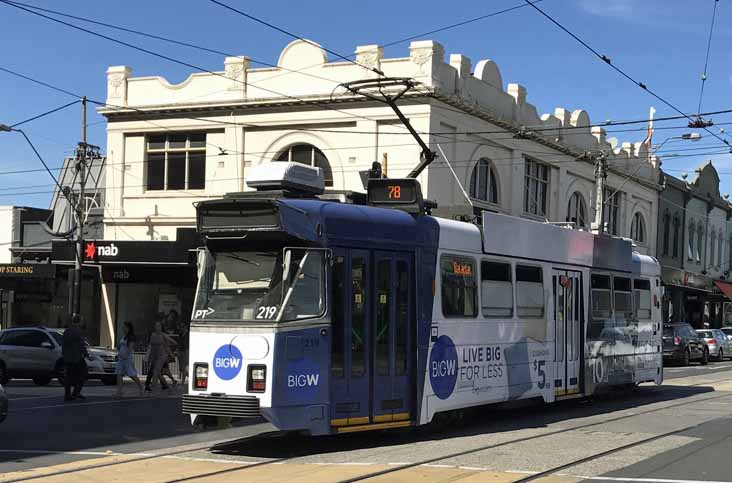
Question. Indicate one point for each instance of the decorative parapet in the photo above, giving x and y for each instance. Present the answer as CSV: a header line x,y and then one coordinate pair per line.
x,y
370,57
235,69
117,85
304,73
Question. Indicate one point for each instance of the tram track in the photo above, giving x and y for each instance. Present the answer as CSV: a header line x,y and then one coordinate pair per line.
x,y
256,464
429,461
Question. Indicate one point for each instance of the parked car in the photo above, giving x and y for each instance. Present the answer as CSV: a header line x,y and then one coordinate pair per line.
x,y
3,404
35,353
682,344
719,345
727,331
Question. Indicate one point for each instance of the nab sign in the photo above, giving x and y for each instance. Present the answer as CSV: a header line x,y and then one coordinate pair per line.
x,y
93,251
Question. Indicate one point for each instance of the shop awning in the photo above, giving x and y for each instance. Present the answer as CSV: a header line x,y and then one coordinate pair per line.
x,y
725,287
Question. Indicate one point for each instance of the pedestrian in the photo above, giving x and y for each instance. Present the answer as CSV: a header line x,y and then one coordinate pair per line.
x,y
170,345
74,356
125,361
183,352
157,355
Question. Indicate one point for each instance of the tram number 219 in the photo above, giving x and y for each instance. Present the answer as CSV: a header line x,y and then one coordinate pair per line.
x,y
266,311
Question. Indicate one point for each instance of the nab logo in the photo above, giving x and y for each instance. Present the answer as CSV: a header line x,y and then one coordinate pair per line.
x,y
443,367
92,251
227,362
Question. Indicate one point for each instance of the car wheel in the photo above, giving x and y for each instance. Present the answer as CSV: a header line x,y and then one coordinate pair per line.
x,y
705,357
109,381
41,380
720,356
687,358
3,374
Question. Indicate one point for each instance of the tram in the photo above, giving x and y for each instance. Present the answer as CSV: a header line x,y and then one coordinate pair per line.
x,y
332,313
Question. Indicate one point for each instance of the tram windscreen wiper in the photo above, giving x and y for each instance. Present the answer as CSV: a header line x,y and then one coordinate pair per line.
x,y
242,259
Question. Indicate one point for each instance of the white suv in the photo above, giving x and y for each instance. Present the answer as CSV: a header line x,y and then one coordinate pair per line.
x,y
35,353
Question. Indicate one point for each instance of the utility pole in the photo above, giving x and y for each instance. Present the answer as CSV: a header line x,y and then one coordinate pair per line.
x,y
80,166
600,177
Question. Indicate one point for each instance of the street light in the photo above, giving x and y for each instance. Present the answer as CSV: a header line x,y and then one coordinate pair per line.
x,y
687,136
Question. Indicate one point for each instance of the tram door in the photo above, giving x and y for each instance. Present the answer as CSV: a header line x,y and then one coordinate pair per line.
x,y
371,348
568,306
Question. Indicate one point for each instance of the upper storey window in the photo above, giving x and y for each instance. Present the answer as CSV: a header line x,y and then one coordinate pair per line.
x,y
176,161
310,155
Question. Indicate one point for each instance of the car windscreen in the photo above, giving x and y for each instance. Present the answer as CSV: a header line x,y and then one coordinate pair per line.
x,y
705,333
58,337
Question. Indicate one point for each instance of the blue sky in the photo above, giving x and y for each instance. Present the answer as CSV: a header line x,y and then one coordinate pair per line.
x,y
660,42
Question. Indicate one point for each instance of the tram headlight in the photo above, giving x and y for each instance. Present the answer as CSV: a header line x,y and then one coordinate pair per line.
x,y
200,376
257,379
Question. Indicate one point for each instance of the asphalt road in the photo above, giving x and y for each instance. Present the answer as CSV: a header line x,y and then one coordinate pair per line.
x,y
676,433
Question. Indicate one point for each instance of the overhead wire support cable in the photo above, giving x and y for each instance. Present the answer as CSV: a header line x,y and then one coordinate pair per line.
x,y
44,114
704,75
297,37
609,62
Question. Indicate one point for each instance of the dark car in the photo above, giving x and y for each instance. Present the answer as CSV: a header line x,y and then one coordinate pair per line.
x,y
682,344
3,405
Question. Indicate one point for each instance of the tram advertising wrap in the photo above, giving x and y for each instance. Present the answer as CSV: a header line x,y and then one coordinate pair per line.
x,y
330,316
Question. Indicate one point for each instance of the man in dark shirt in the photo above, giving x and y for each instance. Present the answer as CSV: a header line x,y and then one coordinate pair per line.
x,y
74,354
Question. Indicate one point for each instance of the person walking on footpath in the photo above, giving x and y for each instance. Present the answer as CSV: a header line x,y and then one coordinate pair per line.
x,y
157,355
183,353
74,354
170,345
125,363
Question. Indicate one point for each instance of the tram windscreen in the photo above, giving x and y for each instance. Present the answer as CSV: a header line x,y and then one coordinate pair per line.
x,y
259,286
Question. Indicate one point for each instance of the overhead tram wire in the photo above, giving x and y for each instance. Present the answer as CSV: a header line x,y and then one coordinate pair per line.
x,y
535,129
295,36
706,58
165,39
609,62
44,114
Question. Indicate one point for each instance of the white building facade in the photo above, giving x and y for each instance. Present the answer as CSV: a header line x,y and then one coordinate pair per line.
x,y
169,146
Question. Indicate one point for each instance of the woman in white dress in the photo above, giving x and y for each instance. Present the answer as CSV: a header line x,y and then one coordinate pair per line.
x,y
125,362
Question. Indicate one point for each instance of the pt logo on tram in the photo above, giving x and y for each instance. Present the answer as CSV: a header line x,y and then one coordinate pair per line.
x,y
227,362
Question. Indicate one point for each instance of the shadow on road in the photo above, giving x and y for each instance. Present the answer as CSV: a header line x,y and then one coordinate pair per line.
x,y
478,421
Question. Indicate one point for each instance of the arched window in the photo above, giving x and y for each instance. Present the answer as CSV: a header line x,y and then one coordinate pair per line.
x,y
310,155
484,182
677,223
699,242
638,229
577,210
666,232
712,246
692,234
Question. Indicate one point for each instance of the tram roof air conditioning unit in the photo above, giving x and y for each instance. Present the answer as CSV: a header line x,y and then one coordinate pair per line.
x,y
287,177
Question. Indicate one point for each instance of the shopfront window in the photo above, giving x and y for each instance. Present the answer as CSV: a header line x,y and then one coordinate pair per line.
x,y
261,286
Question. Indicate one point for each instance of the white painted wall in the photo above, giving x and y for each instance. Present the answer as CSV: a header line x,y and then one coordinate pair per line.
x,y
475,118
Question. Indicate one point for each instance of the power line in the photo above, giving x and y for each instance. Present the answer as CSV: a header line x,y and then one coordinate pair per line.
x,y
706,58
165,39
44,114
609,62
297,37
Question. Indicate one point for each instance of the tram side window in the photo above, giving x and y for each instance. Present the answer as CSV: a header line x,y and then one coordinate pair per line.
x,y
459,294
623,296
529,292
496,289
601,303
642,298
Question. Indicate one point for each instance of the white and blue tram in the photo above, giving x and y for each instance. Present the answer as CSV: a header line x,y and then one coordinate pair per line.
x,y
327,316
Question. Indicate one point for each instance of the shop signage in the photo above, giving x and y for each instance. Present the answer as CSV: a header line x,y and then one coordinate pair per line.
x,y
27,270
124,252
